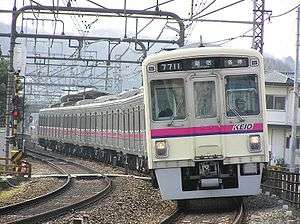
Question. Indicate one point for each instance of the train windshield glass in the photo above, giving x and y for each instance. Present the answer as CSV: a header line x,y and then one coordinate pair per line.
x,y
205,99
168,99
241,95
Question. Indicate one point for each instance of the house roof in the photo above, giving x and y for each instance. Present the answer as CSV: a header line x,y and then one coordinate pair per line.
x,y
275,77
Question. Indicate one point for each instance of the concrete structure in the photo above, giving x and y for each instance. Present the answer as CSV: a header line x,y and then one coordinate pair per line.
x,y
279,99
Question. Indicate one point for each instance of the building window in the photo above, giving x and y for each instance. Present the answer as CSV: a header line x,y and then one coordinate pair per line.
x,y
288,142
275,102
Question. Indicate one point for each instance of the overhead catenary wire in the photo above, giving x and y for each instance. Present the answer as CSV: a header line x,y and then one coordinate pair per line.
x,y
206,7
287,12
219,9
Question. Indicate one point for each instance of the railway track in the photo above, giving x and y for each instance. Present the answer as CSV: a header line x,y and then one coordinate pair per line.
x,y
185,215
74,194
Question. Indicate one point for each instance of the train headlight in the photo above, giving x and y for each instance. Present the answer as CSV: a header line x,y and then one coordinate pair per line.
x,y
254,143
161,149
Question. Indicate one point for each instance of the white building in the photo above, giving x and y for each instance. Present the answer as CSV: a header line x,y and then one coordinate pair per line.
x,y
279,100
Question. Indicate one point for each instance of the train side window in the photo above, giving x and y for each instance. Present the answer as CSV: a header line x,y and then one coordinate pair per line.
x,y
118,121
111,121
82,121
139,119
114,121
101,121
106,121
133,120
128,121
93,121
121,117
74,121
125,121
78,121
67,121
70,120
142,112
88,122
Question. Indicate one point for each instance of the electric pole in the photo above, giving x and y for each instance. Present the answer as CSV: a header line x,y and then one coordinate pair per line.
x,y
258,25
296,97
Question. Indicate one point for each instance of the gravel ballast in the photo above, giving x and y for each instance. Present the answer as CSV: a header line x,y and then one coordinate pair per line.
x,y
29,189
132,201
265,209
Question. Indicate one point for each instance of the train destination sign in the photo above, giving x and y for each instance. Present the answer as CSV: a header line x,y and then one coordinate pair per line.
x,y
203,63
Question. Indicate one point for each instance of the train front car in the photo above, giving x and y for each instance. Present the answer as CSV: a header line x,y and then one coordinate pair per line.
x,y
206,133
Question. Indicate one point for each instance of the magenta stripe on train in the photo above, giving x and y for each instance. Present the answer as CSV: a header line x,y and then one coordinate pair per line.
x,y
207,130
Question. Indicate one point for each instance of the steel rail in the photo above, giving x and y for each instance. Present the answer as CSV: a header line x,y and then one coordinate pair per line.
x,y
65,209
14,207
240,212
172,218
180,211
49,215
89,170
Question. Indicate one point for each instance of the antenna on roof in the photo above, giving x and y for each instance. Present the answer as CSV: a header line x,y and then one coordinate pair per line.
x,y
201,42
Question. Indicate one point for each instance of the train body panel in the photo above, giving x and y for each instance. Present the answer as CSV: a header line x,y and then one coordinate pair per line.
x,y
199,122
170,182
214,123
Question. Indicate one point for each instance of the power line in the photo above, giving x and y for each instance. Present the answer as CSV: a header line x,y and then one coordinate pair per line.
x,y
210,4
290,10
219,9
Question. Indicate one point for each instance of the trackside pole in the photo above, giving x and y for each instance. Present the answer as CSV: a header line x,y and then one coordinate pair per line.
x,y
296,97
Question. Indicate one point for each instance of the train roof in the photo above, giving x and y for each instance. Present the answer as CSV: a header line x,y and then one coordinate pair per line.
x,y
200,51
100,101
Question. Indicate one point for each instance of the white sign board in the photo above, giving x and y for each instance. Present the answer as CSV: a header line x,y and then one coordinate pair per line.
x,y
20,57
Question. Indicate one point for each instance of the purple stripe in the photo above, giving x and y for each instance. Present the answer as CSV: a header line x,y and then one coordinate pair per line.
x,y
204,130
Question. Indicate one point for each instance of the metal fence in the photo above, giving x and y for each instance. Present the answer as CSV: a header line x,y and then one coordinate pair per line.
x,y
284,184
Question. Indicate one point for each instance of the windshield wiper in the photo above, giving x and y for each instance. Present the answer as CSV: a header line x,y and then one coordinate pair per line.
x,y
173,115
172,120
236,113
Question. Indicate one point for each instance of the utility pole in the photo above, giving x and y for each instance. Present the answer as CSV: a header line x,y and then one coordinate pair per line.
x,y
296,97
9,90
258,25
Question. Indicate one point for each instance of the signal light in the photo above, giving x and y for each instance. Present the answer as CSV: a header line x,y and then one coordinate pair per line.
x,y
15,114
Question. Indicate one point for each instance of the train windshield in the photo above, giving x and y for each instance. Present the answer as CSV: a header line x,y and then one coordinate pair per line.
x,y
168,99
241,95
205,99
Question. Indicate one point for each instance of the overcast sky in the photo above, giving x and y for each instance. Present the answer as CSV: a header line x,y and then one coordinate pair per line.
x,y
280,33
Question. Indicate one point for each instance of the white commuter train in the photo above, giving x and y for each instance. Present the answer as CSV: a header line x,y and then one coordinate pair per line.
x,y
198,123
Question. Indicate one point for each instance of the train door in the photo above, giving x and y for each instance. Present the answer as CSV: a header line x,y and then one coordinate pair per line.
x,y
206,117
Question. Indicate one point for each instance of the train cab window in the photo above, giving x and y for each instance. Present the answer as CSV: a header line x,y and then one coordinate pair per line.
x,y
168,99
241,95
205,99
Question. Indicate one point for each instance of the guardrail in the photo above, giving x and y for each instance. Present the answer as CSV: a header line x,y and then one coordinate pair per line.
x,y
284,184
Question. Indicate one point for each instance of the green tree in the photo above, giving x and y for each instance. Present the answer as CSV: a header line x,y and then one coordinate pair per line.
x,y
3,83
